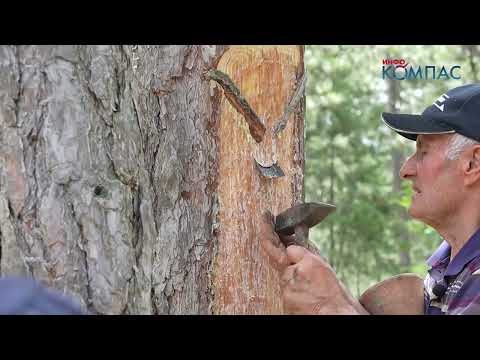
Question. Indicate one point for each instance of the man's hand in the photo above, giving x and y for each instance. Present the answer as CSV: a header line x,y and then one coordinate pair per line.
x,y
271,243
309,284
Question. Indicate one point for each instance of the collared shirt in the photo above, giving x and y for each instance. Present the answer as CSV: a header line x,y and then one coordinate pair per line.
x,y
459,278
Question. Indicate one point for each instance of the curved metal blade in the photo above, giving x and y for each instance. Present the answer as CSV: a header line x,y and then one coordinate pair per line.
x,y
309,214
273,171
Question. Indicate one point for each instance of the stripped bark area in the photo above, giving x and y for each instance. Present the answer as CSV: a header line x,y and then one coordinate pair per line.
x,y
266,76
108,161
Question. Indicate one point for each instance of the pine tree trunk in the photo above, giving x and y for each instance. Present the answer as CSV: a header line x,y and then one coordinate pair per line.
x,y
124,182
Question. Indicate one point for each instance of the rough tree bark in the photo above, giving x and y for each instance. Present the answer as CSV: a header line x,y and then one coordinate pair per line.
x,y
126,177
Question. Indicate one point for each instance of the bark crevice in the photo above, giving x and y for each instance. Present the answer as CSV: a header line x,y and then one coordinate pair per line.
x,y
16,100
82,246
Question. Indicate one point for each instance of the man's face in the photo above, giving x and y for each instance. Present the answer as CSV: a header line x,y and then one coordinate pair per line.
x,y
436,181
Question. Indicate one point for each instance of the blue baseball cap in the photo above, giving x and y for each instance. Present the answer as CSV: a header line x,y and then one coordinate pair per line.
x,y
456,111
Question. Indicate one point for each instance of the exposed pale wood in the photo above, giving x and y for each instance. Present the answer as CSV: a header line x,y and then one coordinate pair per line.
x,y
266,75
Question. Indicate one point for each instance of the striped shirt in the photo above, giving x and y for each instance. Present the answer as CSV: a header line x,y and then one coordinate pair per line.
x,y
453,287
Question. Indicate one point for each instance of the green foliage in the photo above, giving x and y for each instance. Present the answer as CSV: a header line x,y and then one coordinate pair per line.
x,y
349,157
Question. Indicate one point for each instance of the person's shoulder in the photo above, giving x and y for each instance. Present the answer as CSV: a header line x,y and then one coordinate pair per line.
x,y
26,296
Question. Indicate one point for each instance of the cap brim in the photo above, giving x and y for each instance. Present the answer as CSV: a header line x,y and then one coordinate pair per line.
x,y
410,126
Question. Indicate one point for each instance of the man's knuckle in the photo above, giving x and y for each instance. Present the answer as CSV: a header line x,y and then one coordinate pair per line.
x,y
302,271
285,277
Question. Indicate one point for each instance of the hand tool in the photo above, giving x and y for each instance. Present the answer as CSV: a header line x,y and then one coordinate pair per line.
x,y
300,218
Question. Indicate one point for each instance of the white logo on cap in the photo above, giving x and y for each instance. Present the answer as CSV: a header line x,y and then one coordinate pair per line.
x,y
441,100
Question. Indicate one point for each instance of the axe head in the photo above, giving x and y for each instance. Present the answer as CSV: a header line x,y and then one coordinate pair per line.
x,y
309,214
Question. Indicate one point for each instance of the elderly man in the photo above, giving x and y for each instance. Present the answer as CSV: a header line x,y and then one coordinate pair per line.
x,y
445,176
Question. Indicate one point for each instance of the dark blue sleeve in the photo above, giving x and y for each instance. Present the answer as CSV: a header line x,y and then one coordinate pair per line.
x,y
23,296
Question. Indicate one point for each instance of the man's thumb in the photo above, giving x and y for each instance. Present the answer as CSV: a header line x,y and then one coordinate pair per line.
x,y
295,253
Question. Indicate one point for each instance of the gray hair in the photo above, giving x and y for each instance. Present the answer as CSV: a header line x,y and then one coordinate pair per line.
x,y
458,143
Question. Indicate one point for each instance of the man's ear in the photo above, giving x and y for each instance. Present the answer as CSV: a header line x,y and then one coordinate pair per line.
x,y
472,166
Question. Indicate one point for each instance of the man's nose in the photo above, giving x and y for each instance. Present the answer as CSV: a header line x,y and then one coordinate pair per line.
x,y
408,169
